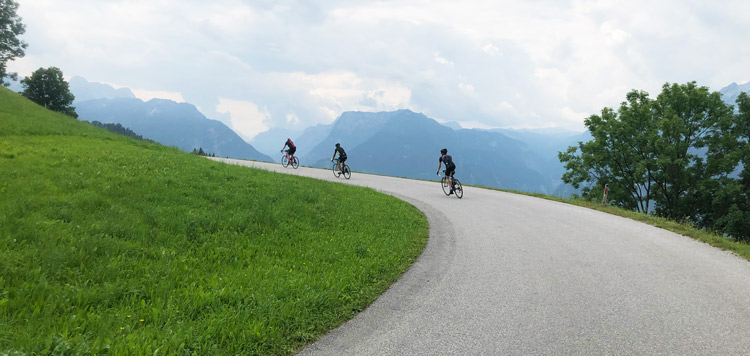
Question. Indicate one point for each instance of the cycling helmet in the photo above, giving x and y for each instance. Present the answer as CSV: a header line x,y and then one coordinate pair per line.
x,y
444,151
337,145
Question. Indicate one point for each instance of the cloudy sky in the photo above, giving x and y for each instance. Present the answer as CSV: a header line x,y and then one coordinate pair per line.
x,y
293,63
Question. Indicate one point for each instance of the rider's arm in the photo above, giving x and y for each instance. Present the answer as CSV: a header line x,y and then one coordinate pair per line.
x,y
440,163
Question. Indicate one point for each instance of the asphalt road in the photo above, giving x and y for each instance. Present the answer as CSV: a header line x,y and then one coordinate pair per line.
x,y
505,274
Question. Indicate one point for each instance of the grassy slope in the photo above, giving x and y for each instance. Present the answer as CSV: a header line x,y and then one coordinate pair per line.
x,y
111,245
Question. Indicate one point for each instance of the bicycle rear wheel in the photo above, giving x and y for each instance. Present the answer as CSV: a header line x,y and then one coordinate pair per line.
x,y
458,188
284,161
335,169
347,172
295,162
445,185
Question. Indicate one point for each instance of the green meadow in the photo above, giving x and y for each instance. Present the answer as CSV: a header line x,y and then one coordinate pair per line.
x,y
109,245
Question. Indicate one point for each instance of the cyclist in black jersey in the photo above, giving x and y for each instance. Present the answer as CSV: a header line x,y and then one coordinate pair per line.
x,y
342,156
450,167
291,150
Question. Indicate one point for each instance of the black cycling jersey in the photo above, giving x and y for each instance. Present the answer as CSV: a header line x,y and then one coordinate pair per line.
x,y
340,150
447,159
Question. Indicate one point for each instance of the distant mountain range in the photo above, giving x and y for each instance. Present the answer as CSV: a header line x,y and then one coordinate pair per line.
x,y
732,91
173,124
270,142
85,90
407,144
398,143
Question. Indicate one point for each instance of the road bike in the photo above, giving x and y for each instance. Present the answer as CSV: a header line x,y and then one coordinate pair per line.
x,y
458,189
285,161
344,169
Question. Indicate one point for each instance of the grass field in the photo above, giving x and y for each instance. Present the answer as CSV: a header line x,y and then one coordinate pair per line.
x,y
114,246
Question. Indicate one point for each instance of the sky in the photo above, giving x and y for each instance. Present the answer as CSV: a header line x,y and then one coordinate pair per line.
x,y
256,65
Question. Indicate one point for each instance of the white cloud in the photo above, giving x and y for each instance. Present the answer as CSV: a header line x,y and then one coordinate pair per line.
x,y
466,88
505,106
614,36
147,95
441,60
331,93
317,59
492,50
292,119
390,97
577,117
246,117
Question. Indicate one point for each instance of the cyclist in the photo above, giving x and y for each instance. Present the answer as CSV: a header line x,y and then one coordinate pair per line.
x,y
342,156
291,150
450,167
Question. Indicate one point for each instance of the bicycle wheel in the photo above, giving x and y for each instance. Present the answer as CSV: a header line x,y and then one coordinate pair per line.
x,y
458,189
295,162
446,187
347,172
284,161
335,169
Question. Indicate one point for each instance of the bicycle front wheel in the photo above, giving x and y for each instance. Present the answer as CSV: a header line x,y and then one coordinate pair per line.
x,y
458,189
347,172
295,162
335,169
445,185
284,161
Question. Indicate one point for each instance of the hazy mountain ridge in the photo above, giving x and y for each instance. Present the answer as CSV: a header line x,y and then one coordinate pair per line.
x,y
398,143
85,90
311,137
270,142
351,129
407,144
173,124
732,91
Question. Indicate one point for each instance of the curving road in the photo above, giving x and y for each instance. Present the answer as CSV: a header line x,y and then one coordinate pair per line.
x,y
506,274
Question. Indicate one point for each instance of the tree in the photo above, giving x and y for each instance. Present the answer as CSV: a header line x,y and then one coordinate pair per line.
x,y
620,154
11,46
677,152
47,88
694,125
732,205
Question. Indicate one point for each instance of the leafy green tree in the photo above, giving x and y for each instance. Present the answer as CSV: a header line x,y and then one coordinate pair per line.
x,y
11,46
47,88
673,155
694,126
620,154
732,205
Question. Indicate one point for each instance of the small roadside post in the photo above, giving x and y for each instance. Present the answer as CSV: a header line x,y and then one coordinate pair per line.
x,y
604,197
